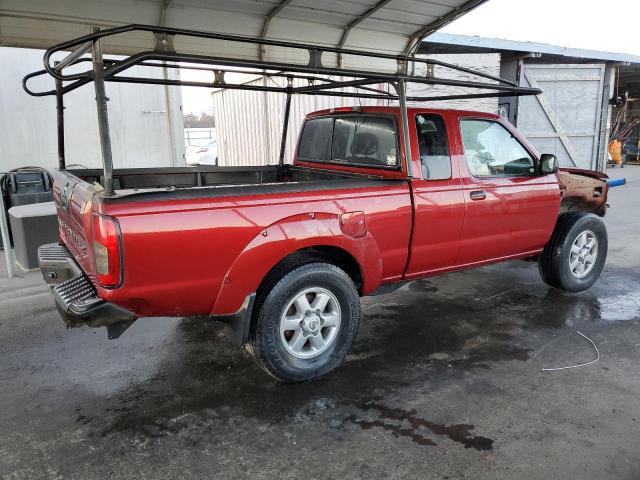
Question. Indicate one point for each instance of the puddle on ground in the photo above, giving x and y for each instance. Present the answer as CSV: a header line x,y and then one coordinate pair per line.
x,y
625,306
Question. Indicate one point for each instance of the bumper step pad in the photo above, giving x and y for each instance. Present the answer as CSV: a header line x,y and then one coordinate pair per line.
x,y
75,295
75,289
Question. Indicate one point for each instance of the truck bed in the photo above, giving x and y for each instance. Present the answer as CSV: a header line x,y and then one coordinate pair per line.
x,y
206,181
202,224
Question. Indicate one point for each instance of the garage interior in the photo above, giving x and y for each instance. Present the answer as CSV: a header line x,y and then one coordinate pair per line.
x,y
627,112
446,378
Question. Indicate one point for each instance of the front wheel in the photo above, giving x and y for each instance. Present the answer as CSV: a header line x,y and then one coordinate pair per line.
x,y
306,323
575,255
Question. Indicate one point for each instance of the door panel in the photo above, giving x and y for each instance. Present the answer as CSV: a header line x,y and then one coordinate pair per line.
x,y
439,215
517,216
438,201
509,209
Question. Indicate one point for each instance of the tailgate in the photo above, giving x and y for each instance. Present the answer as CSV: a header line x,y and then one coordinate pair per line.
x,y
73,198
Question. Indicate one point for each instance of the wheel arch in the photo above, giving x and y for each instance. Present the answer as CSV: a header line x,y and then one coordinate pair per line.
x,y
318,236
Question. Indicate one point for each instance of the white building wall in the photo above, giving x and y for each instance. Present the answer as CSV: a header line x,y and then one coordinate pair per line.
x,y
488,63
138,118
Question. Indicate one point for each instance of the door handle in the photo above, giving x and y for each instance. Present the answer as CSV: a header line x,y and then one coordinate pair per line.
x,y
478,195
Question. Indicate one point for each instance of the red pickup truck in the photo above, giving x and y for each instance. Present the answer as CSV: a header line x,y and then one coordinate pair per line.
x,y
283,253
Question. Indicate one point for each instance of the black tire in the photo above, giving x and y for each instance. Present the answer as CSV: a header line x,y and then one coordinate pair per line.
x,y
554,263
286,282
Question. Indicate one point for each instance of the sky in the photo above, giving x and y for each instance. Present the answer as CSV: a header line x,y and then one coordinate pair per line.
x,y
607,25
198,99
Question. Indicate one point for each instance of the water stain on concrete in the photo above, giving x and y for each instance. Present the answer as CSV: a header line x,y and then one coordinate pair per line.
x,y
422,286
411,425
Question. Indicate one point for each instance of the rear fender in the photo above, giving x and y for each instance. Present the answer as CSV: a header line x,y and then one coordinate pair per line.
x,y
285,237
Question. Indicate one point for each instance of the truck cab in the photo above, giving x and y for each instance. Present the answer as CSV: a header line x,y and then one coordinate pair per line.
x,y
479,194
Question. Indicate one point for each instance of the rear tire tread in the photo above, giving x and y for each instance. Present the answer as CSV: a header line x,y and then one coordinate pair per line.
x,y
277,280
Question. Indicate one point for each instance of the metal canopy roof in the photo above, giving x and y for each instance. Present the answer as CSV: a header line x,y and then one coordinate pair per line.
x,y
389,26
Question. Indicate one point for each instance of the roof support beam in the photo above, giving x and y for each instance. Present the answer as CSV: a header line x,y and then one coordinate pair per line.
x,y
162,20
267,22
414,40
355,23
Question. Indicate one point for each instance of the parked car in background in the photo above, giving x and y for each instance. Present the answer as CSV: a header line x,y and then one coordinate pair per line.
x,y
204,154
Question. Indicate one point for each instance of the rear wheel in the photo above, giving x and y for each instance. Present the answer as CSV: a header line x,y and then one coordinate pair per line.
x,y
306,322
575,255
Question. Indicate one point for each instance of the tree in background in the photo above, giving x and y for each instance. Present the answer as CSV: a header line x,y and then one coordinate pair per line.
x,y
201,120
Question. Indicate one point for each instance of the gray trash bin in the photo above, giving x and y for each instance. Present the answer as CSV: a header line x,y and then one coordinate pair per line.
x,y
32,226
24,186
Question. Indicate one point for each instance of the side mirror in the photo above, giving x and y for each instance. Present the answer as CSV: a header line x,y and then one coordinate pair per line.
x,y
548,163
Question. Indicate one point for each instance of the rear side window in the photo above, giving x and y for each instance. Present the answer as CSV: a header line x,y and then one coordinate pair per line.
x,y
365,141
375,143
434,147
315,143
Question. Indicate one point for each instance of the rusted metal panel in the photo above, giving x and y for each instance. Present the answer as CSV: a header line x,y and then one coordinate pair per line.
x,y
583,190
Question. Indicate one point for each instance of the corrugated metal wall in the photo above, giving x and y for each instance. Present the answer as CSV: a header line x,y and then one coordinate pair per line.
x,y
249,124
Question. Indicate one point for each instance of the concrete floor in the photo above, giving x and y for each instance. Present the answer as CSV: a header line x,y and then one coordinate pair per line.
x,y
444,381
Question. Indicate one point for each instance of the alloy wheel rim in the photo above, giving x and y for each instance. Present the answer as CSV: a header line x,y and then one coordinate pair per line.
x,y
584,252
310,322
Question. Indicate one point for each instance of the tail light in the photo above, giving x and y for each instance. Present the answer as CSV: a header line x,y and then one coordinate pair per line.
x,y
106,251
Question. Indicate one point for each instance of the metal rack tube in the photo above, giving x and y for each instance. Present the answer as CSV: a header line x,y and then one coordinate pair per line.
x,y
103,116
285,128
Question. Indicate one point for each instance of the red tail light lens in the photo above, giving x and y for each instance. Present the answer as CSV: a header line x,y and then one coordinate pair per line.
x,y
106,251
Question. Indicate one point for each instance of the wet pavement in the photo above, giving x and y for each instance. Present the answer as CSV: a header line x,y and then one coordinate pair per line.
x,y
444,381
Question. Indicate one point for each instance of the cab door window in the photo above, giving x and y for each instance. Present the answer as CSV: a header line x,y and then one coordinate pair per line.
x,y
434,147
491,150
